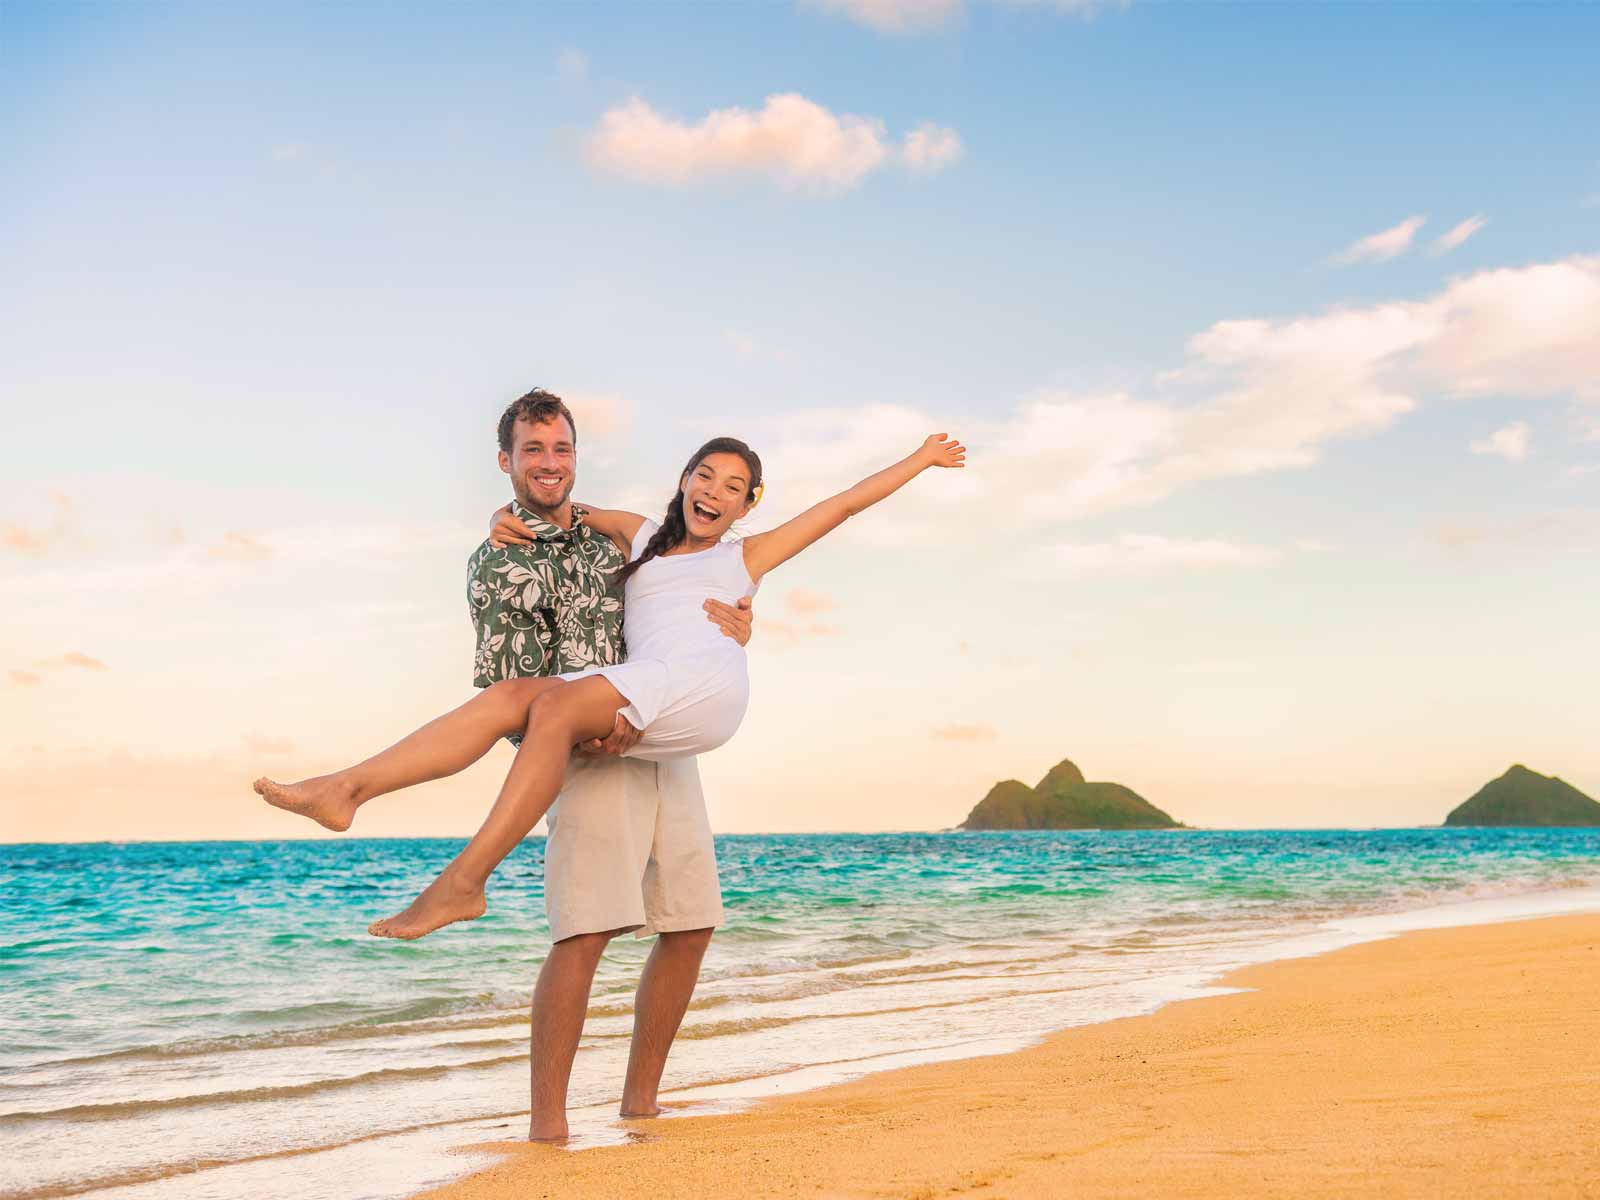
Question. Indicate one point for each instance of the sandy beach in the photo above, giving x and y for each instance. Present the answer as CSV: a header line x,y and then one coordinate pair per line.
x,y
1459,1062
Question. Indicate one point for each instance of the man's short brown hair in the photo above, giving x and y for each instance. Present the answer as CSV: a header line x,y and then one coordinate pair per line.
x,y
537,407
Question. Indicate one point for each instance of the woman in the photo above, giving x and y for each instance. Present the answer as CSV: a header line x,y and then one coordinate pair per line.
x,y
683,685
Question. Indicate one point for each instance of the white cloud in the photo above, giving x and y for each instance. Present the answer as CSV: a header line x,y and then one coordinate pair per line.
x,y
1386,244
753,349
1137,554
931,147
258,743
1521,331
743,345
1541,530
806,602
1081,8
895,16
964,733
43,539
1510,442
924,16
1458,234
241,563
239,547
790,139
775,634
72,658
600,417
573,65
22,540
1256,396
1216,666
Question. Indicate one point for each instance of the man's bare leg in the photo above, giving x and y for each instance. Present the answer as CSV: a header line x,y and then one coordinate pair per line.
x,y
560,1002
665,989
443,746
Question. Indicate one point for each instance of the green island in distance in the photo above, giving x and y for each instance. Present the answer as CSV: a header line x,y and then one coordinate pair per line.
x,y
1524,797
1063,799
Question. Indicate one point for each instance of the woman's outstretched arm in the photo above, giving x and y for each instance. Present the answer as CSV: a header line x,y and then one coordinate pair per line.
x,y
767,550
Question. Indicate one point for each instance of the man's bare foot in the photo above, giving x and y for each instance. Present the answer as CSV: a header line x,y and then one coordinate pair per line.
x,y
637,1113
443,902
327,800
547,1131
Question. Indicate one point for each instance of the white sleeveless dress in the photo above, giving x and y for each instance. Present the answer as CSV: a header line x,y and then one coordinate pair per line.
x,y
685,681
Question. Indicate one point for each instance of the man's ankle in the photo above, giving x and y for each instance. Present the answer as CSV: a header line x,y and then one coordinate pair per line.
x,y
635,1106
547,1129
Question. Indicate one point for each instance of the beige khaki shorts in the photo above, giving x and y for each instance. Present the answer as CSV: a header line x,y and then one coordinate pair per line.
x,y
630,849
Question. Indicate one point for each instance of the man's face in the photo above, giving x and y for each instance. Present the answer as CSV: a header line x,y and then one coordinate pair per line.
x,y
543,463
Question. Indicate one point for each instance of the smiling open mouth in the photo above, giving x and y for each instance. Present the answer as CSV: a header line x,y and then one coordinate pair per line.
x,y
704,513
548,481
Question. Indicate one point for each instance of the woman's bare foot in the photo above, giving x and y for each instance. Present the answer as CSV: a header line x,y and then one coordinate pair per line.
x,y
327,800
634,1113
443,902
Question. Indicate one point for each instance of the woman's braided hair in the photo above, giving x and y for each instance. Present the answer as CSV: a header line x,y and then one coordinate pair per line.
x,y
673,526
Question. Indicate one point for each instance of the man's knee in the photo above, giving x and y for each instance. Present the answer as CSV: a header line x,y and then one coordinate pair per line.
x,y
686,940
584,945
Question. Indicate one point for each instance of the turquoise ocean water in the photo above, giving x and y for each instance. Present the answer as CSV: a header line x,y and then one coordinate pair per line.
x,y
211,1019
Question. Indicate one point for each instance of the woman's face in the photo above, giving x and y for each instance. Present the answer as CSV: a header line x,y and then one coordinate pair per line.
x,y
716,493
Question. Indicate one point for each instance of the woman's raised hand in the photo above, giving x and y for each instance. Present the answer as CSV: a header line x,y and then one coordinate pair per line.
x,y
940,450
506,530
765,551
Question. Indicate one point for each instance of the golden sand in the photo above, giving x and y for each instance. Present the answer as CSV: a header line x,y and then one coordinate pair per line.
x,y
1446,1063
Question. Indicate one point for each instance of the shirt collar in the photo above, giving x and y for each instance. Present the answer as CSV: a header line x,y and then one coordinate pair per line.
x,y
546,531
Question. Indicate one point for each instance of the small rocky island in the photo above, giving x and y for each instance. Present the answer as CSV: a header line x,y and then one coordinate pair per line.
x,y
1524,797
1063,799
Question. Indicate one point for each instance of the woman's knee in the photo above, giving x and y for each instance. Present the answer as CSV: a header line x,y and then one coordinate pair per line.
x,y
513,696
548,709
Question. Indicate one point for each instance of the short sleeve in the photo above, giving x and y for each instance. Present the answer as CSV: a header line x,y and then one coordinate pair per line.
x,y
647,530
510,616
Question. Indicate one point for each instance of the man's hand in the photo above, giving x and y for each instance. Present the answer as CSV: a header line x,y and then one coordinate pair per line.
x,y
733,621
506,530
623,737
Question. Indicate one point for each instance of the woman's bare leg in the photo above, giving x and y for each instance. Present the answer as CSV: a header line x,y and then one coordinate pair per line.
x,y
557,720
443,746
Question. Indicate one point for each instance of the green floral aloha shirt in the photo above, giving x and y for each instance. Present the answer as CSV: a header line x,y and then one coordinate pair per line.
x,y
547,608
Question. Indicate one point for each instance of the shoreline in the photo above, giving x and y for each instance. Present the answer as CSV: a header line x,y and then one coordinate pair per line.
x,y
1047,935
752,833
1463,1058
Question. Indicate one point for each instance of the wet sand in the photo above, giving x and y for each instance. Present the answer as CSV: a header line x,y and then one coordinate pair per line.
x,y
1457,1062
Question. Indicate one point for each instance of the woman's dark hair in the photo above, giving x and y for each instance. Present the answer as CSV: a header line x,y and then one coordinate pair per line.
x,y
673,527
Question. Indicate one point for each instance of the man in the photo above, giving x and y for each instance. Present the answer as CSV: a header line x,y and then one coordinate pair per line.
x,y
630,843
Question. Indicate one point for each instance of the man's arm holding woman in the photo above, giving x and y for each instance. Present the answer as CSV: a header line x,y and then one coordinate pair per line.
x,y
622,527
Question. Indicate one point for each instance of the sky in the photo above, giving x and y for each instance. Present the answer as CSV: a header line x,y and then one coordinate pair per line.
x,y
1273,330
